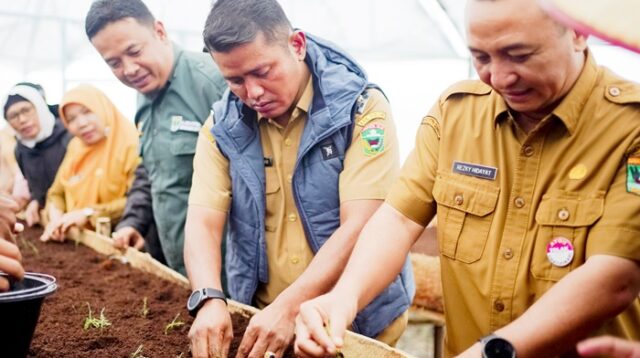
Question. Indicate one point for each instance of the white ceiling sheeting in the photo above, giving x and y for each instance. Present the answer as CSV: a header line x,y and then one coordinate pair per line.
x,y
45,34
413,49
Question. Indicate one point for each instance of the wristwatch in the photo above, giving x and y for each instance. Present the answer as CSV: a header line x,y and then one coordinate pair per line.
x,y
497,347
199,297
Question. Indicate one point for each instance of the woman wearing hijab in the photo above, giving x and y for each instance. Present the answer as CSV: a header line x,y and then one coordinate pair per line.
x,y
42,142
99,166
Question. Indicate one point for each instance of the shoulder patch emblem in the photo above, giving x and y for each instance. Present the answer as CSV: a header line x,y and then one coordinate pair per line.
x,y
371,116
373,139
633,175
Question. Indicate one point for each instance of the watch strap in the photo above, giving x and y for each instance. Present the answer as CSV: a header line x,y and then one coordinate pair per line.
x,y
206,294
488,337
210,293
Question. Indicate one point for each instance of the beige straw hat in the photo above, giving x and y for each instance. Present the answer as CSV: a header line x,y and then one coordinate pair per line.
x,y
616,21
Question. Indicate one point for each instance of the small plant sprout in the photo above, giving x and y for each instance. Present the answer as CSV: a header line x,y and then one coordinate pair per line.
x,y
145,308
26,244
138,353
173,324
97,323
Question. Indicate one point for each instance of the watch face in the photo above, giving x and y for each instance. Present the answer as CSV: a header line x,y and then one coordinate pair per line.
x,y
194,299
498,348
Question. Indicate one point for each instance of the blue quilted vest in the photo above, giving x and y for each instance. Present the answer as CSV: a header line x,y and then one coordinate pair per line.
x,y
338,82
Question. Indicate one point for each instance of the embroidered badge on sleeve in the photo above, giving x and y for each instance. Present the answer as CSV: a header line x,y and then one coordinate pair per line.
x,y
373,139
633,175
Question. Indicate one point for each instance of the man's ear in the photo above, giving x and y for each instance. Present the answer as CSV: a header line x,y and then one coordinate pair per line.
x,y
159,30
298,44
579,41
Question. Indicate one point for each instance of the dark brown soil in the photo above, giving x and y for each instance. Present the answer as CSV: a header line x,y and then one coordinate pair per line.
x,y
86,277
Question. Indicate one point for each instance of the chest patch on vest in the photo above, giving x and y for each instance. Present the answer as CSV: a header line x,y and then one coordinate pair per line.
x,y
475,170
633,175
373,139
329,150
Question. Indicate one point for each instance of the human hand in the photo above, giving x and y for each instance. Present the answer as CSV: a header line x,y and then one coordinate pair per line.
x,y
211,332
128,236
32,213
610,347
8,210
53,231
321,325
269,331
74,218
10,259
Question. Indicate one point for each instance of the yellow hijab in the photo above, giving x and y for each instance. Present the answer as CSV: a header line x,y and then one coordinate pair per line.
x,y
98,173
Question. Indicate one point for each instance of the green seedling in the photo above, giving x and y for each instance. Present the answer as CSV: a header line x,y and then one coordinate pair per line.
x,y
26,244
97,323
145,308
138,353
339,354
173,324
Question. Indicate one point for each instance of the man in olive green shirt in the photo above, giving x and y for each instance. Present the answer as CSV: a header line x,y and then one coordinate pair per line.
x,y
177,89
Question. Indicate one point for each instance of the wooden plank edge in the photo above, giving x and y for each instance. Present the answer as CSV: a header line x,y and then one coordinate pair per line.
x,y
356,345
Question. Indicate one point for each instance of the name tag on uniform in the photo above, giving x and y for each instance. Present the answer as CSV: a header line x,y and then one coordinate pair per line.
x,y
179,124
475,170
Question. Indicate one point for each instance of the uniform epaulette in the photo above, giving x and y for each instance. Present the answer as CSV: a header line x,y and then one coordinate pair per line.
x,y
623,92
474,87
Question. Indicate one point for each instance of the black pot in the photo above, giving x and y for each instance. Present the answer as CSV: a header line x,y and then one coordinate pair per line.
x,y
20,309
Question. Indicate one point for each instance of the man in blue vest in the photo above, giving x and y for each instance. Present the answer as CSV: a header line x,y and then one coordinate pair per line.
x,y
300,156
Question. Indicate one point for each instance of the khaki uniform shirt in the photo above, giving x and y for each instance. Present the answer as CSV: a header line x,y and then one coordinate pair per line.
x,y
503,195
367,174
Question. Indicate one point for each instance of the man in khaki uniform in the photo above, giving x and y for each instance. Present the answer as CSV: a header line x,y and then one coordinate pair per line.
x,y
615,21
302,153
534,175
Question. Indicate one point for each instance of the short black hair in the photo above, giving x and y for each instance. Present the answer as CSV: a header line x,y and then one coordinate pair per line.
x,y
104,12
232,23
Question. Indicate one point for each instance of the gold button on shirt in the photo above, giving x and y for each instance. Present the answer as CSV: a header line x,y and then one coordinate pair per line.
x,y
368,173
502,195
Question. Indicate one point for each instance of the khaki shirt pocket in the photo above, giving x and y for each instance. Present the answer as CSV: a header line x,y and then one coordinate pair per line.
x,y
465,214
567,215
272,202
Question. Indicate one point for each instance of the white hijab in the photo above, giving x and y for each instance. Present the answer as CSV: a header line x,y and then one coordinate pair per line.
x,y
46,119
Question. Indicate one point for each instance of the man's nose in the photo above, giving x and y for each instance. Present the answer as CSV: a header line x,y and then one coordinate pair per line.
x,y
502,75
254,89
130,68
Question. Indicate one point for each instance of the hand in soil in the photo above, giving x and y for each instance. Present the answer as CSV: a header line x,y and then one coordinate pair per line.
x,y
32,213
56,229
211,332
321,325
10,263
8,209
128,236
270,330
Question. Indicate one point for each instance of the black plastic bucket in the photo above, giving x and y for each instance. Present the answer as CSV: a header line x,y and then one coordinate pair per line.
x,y
19,312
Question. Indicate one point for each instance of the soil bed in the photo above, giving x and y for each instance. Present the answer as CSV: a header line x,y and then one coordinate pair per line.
x,y
86,277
